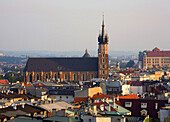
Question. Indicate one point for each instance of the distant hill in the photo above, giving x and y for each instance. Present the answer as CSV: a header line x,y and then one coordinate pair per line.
x,y
65,53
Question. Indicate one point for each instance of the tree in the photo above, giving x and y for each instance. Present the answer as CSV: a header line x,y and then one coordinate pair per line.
x,y
10,77
130,64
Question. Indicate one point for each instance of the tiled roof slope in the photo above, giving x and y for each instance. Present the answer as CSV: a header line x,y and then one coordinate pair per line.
x,y
4,81
61,64
159,54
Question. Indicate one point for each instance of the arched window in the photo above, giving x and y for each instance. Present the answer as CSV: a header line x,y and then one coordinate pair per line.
x,y
65,77
74,77
55,77
25,78
92,76
37,77
46,76
30,78
83,77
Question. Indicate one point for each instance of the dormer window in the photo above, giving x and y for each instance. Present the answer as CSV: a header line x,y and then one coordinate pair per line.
x,y
128,104
143,105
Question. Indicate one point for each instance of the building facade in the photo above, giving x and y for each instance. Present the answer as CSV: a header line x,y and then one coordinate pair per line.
x,y
71,69
154,58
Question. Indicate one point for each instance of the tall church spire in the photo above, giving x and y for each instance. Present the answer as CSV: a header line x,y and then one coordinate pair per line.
x,y
103,38
103,27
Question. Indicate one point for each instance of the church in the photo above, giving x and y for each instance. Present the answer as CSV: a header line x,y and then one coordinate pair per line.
x,y
71,69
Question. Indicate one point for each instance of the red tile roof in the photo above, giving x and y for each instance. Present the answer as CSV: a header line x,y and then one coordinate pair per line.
x,y
159,54
98,104
79,99
132,96
112,109
156,49
118,102
160,89
100,95
4,81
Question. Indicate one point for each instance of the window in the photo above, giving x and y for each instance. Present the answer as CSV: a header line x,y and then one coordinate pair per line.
x,y
103,72
74,77
25,77
92,76
60,97
128,104
103,60
143,105
66,97
156,105
30,78
143,112
37,77
103,55
55,77
65,77
46,76
83,77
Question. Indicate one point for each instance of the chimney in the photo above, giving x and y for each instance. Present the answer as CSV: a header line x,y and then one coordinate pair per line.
x,y
118,98
109,107
113,99
54,112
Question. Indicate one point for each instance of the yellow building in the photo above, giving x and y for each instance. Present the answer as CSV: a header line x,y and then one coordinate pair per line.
x,y
154,58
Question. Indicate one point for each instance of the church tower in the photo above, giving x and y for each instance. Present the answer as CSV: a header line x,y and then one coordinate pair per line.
x,y
103,60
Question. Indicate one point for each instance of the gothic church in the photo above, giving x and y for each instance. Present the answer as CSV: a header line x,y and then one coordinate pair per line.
x,y
71,69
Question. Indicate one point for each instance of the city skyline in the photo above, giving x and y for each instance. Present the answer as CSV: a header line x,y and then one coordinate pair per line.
x,y
75,25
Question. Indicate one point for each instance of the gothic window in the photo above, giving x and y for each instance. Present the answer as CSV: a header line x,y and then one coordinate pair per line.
x,y
46,76
55,76
103,60
25,78
83,77
74,77
92,76
65,77
37,77
30,78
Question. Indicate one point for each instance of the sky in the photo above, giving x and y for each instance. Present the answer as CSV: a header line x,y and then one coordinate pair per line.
x,y
74,25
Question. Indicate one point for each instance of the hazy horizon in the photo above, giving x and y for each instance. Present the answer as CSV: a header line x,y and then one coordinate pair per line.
x,y
53,25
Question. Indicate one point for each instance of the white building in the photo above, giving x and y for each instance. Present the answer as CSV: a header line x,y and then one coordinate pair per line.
x,y
126,89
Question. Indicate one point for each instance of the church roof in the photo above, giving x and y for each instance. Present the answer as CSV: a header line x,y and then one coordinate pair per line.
x,y
61,64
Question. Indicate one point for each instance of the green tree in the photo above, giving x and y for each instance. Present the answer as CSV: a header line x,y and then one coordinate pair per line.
x,y
9,77
130,64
